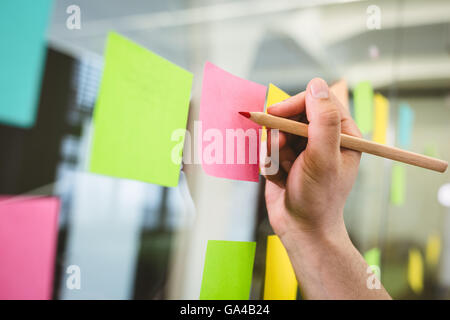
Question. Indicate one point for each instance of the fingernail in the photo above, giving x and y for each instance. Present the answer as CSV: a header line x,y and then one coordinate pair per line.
x,y
319,89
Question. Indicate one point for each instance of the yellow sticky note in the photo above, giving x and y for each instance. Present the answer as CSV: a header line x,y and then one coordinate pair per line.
x,y
274,95
381,110
433,250
415,271
280,282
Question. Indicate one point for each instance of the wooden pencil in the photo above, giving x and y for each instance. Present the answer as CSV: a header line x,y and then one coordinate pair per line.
x,y
350,142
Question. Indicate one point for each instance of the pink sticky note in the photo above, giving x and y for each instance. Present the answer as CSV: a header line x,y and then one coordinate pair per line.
x,y
229,149
28,237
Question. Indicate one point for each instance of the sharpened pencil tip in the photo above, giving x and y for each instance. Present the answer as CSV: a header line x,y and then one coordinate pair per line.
x,y
245,114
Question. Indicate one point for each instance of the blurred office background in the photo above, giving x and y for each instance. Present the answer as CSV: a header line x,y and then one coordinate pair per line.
x,y
133,240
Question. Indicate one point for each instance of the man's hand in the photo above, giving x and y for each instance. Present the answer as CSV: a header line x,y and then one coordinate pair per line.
x,y
310,190
305,199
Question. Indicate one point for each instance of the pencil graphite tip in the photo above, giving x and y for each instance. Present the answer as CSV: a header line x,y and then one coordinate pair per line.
x,y
245,114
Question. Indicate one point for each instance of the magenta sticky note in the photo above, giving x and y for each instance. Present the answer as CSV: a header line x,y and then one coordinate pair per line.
x,y
28,238
230,143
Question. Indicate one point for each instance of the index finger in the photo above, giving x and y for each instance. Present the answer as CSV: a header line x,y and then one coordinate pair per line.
x,y
290,107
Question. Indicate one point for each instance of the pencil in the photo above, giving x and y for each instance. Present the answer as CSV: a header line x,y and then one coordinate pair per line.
x,y
350,142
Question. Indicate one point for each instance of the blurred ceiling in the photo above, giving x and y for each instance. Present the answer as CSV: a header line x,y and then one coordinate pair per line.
x,y
286,42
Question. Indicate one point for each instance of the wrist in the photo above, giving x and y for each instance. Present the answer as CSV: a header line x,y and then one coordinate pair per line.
x,y
309,226
315,240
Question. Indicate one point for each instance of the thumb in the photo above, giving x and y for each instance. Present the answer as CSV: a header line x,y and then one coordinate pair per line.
x,y
324,124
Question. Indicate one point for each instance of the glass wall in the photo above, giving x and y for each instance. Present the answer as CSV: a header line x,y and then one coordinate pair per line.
x,y
133,240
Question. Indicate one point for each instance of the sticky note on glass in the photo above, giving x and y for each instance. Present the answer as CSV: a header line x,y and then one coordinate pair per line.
x,y
431,150
274,95
28,238
363,106
280,282
340,90
433,250
405,126
143,100
230,147
398,184
415,271
23,25
372,257
381,111
227,274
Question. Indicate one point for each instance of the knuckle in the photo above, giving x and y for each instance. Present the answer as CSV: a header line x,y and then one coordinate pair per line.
x,y
330,117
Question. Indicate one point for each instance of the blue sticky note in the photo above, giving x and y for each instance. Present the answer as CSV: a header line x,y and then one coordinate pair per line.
x,y
23,24
405,125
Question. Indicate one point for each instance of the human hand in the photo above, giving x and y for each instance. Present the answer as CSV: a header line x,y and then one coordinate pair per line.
x,y
308,193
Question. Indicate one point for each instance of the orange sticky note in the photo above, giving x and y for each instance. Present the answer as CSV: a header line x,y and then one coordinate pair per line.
x,y
280,281
340,89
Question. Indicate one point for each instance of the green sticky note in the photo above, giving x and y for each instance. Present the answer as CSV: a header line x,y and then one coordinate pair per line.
x,y
143,100
372,257
228,270
23,25
363,106
431,150
398,184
